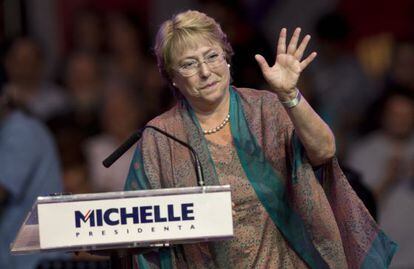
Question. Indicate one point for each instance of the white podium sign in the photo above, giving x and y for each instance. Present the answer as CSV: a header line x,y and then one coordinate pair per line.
x,y
160,216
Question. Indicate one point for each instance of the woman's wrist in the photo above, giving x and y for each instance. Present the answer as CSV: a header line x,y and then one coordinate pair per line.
x,y
286,95
291,99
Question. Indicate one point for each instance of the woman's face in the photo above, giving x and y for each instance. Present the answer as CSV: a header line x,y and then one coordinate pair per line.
x,y
202,75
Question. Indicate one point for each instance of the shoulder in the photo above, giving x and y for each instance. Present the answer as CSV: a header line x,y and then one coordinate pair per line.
x,y
254,94
168,120
27,141
20,125
165,118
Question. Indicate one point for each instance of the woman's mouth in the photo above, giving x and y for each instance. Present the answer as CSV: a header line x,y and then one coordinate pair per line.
x,y
208,85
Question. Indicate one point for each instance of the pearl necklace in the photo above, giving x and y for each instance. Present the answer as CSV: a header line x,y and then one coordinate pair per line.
x,y
218,128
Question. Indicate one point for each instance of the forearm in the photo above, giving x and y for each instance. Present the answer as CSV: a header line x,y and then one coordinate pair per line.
x,y
313,132
283,77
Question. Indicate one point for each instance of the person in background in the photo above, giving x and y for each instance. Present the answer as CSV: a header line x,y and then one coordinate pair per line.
x,y
88,32
401,73
29,167
122,113
27,85
265,145
83,80
337,68
385,159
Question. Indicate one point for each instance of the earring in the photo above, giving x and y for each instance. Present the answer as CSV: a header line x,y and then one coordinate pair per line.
x,y
228,65
174,84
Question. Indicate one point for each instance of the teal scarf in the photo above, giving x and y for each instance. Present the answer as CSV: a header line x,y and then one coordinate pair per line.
x,y
271,190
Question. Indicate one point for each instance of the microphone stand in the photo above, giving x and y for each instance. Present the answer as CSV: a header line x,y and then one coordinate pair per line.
x,y
137,135
122,259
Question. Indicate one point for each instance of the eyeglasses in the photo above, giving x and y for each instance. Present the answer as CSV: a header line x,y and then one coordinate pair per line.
x,y
191,67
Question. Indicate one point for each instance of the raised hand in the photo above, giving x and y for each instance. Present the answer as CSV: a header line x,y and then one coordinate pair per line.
x,y
284,74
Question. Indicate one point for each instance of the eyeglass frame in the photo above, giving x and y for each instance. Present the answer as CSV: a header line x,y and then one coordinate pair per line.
x,y
197,68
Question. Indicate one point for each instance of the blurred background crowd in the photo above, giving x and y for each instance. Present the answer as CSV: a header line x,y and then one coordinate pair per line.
x,y
86,70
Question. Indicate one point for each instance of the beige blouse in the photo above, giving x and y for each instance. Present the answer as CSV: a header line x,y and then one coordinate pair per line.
x,y
257,242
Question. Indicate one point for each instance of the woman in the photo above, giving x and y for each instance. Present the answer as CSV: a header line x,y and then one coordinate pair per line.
x,y
253,141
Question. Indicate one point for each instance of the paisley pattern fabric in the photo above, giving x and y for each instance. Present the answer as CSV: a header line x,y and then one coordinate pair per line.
x,y
256,237
300,221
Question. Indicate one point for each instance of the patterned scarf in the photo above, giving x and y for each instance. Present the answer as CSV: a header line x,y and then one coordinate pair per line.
x,y
322,219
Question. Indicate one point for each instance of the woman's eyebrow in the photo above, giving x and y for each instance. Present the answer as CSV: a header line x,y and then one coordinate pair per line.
x,y
210,50
195,56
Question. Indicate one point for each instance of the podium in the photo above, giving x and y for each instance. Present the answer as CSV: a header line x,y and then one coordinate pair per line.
x,y
121,223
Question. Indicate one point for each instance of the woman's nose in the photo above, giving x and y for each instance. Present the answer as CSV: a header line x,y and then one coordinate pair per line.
x,y
204,70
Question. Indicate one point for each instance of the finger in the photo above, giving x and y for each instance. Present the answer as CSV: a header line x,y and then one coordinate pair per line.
x,y
262,62
293,44
302,47
281,45
308,60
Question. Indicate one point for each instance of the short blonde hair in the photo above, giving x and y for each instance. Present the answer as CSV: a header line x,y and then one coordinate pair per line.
x,y
184,31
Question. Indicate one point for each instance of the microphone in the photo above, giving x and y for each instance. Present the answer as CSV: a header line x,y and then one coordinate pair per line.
x,y
137,135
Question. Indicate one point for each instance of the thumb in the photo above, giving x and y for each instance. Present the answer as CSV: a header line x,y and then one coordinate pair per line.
x,y
262,62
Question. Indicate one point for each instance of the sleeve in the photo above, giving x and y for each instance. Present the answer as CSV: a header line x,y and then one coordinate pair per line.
x,y
278,131
337,209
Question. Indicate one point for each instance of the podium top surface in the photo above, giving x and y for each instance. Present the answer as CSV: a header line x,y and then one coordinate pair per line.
x,y
128,194
28,239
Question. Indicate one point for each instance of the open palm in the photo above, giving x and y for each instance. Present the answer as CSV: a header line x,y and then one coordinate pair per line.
x,y
284,74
